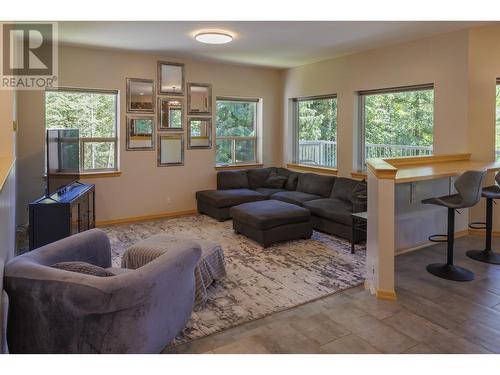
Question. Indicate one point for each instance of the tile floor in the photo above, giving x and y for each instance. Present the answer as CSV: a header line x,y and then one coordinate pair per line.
x,y
431,315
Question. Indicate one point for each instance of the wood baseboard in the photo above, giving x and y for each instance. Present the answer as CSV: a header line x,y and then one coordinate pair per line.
x,y
165,215
482,232
386,295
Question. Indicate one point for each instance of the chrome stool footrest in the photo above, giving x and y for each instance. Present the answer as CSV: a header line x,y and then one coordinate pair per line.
x,y
477,225
438,238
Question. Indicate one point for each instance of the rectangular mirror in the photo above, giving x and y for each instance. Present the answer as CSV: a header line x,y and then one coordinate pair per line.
x,y
170,150
140,95
199,99
140,133
170,78
170,114
199,132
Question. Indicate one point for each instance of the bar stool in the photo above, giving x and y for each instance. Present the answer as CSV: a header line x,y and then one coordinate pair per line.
x,y
487,255
468,186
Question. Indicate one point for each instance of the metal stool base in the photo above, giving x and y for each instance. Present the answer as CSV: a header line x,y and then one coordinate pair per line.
x,y
450,272
484,256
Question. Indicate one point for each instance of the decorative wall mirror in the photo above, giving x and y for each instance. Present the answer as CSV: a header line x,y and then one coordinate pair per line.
x,y
199,132
140,133
170,114
199,99
140,95
170,78
170,150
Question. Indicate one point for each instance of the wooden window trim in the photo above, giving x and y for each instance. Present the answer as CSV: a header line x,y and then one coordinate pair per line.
x,y
313,168
238,166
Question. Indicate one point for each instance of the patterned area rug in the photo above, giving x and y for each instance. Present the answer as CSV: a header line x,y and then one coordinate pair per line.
x,y
259,281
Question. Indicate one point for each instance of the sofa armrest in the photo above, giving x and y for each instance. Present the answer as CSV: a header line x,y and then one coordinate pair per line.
x,y
167,275
359,203
170,274
91,246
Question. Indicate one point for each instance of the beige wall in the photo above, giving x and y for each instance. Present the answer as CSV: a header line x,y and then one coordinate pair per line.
x,y
143,188
441,60
462,65
484,69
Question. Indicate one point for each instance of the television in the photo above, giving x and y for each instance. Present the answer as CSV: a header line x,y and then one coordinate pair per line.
x,y
63,159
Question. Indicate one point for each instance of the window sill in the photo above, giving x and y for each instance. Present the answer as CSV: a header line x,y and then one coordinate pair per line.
x,y
88,175
359,175
312,168
238,166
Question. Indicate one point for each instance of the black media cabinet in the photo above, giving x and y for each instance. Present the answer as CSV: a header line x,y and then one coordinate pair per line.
x,y
69,211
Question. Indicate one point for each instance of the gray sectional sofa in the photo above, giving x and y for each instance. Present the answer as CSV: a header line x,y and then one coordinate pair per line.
x,y
331,200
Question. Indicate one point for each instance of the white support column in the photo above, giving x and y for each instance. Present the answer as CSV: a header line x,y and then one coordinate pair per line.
x,y
380,233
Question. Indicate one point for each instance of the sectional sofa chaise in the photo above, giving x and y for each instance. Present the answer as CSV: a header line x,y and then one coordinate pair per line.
x,y
331,200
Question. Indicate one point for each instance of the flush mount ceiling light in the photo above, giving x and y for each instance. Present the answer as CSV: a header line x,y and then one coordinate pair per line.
x,y
213,37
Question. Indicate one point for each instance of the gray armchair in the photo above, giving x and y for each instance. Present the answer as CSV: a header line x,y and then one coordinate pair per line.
x,y
57,311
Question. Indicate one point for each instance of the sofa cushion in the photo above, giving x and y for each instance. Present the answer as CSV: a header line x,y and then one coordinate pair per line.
x,y
232,180
275,181
313,183
269,214
267,192
256,177
228,198
331,209
83,267
294,197
343,188
292,178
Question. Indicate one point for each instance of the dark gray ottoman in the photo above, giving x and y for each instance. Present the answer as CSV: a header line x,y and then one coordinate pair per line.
x,y
271,221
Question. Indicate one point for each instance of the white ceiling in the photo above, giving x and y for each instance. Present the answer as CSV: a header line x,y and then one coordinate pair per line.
x,y
271,44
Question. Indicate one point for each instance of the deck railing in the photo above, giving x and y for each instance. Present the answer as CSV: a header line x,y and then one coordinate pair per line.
x,y
325,152
318,153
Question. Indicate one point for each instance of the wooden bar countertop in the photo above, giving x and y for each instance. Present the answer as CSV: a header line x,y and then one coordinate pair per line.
x,y
411,169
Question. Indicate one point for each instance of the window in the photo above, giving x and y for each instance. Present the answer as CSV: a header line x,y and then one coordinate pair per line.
x,y
396,122
497,128
94,113
316,131
236,131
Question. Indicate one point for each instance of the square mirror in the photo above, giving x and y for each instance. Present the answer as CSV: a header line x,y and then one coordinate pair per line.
x,y
140,133
170,78
199,99
170,114
170,150
199,132
140,95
